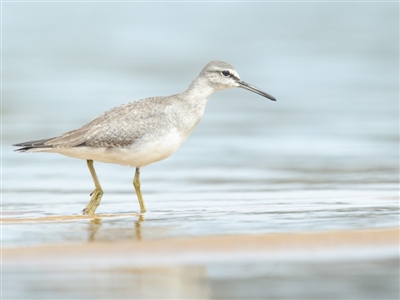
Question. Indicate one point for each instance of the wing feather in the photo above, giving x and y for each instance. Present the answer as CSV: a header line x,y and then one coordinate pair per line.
x,y
117,127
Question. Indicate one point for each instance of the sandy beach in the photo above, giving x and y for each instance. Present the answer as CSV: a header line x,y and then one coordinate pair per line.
x,y
176,250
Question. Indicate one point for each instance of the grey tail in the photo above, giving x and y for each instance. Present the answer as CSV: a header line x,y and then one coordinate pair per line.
x,y
33,144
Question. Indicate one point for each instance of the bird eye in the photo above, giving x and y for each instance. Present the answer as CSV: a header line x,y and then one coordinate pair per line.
x,y
226,73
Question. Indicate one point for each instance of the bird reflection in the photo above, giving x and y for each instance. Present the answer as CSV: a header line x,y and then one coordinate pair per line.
x,y
96,223
138,227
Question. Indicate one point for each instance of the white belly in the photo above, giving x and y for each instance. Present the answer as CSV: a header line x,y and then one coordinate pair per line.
x,y
137,155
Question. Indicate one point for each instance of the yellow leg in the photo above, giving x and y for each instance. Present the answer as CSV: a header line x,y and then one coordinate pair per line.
x,y
96,194
136,184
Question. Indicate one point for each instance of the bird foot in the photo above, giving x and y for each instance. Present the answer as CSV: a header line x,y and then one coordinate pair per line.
x,y
94,202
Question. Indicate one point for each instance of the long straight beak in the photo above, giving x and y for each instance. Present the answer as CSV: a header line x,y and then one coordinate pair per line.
x,y
254,89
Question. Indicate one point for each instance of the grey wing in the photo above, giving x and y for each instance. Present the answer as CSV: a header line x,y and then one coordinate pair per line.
x,y
69,139
117,127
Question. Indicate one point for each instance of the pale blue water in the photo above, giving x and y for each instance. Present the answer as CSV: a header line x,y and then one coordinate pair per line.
x,y
325,156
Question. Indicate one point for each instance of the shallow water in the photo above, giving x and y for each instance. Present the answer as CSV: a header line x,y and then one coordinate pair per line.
x,y
197,214
324,157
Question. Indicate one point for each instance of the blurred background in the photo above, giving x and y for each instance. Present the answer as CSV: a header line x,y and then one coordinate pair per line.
x,y
324,156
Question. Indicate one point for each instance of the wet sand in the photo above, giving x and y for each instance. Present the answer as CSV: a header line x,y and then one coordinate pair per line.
x,y
179,250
